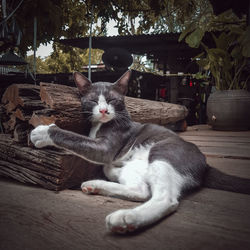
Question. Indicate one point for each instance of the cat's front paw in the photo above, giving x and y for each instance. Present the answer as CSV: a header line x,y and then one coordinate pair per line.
x,y
122,221
40,136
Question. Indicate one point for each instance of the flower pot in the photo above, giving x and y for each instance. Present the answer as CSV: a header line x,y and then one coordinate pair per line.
x,y
229,110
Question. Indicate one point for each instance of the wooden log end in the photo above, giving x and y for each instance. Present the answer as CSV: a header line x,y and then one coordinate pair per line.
x,y
22,114
41,119
21,132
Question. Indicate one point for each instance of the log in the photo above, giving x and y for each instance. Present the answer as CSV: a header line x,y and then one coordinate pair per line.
x,y
54,169
21,132
3,115
44,116
60,97
66,100
23,114
10,106
19,101
20,94
147,111
70,119
10,124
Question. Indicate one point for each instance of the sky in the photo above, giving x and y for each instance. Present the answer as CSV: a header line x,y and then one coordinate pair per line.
x,y
46,50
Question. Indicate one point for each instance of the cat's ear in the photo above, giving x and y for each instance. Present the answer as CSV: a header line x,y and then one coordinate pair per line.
x,y
82,82
121,85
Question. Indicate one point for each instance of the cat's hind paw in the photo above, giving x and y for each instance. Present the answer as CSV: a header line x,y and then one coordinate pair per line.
x,y
122,221
87,188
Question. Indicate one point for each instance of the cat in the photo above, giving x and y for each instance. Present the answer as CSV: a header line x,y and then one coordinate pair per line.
x,y
143,162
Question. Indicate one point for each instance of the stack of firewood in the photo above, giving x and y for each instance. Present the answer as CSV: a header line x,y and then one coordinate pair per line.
x,y
25,106
18,103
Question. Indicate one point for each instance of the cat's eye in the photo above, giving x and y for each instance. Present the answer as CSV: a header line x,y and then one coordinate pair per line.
x,y
94,101
111,100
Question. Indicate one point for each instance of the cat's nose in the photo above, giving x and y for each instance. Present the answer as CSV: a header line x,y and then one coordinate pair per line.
x,y
103,111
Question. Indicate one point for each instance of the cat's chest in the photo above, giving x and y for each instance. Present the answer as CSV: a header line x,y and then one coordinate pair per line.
x,y
94,129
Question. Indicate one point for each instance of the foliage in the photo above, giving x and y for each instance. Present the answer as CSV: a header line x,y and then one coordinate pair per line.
x,y
140,64
41,65
58,19
227,58
55,19
65,61
71,18
155,16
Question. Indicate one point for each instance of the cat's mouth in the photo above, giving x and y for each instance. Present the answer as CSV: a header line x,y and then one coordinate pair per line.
x,y
103,118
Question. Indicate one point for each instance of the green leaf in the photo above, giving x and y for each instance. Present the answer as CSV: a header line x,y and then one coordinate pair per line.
x,y
190,28
199,56
194,39
246,43
222,41
236,52
204,63
220,57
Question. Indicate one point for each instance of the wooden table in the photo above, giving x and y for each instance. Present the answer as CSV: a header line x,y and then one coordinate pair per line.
x,y
35,218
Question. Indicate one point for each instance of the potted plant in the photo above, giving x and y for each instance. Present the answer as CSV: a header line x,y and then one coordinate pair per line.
x,y
226,58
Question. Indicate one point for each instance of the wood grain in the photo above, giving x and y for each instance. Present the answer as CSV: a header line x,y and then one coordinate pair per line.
x,y
20,94
51,168
220,144
40,219
207,219
67,99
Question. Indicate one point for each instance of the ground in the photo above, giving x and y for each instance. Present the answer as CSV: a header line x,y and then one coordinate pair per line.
x,y
35,218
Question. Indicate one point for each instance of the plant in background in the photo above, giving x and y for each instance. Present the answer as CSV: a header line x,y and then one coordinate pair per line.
x,y
226,60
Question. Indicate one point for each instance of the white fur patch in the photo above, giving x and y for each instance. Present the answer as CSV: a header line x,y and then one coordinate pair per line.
x,y
100,117
94,129
40,137
102,104
135,165
165,185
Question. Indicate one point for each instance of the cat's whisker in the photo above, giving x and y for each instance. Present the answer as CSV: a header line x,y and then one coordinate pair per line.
x,y
85,112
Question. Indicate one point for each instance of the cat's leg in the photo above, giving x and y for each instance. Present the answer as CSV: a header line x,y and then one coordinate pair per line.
x,y
133,188
165,184
138,192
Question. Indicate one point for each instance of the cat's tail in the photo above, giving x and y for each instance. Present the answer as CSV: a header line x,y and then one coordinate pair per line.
x,y
216,179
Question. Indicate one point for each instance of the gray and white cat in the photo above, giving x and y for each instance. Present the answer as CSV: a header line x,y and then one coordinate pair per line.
x,y
144,162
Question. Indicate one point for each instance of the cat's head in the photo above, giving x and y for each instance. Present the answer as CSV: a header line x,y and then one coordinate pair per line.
x,y
102,101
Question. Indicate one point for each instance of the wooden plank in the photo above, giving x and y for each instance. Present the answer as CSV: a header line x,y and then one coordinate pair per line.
x,y
237,145
222,144
217,139
226,150
34,218
208,219
222,152
235,167
205,130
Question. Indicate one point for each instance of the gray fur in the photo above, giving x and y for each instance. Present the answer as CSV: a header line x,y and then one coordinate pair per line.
x,y
115,138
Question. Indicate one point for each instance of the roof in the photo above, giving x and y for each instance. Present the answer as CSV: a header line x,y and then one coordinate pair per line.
x,y
156,45
10,58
